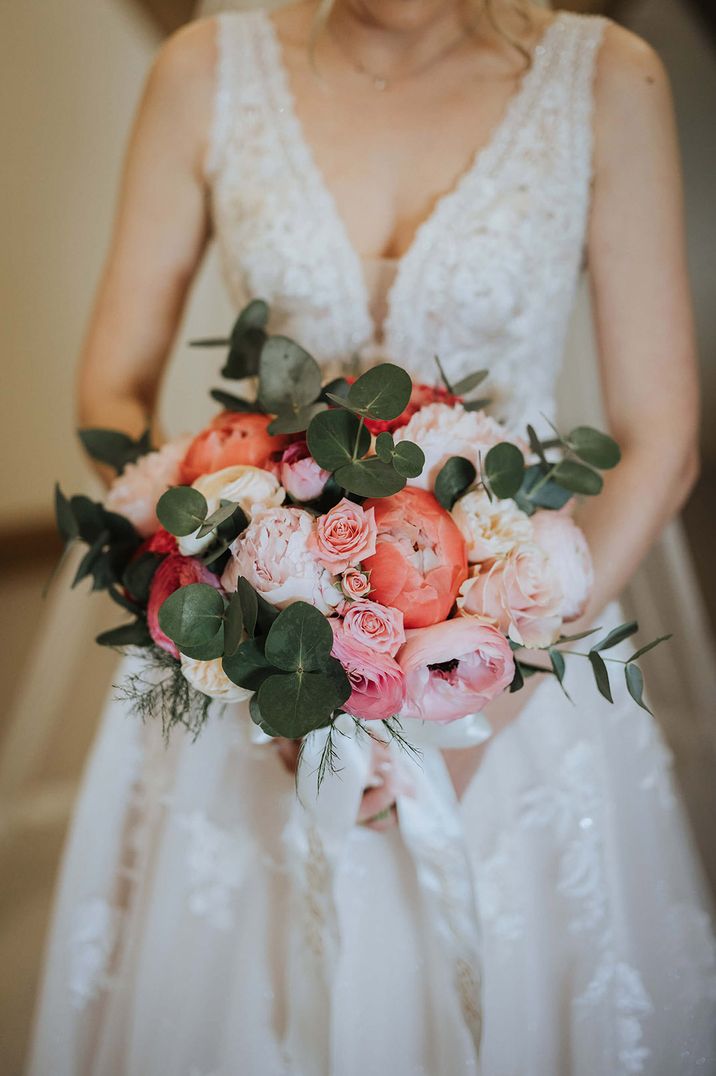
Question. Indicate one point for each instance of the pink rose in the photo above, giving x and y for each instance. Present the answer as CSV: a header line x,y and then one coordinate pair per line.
x,y
454,669
344,536
520,593
135,492
377,680
355,584
275,554
299,474
174,572
560,538
376,626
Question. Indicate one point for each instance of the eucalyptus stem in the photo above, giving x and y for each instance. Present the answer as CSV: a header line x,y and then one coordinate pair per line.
x,y
581,654
361,424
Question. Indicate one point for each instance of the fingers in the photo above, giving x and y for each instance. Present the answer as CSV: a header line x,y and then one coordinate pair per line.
x,y
288,752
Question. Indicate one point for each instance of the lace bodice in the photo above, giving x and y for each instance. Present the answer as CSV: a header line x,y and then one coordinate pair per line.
x,y
489,278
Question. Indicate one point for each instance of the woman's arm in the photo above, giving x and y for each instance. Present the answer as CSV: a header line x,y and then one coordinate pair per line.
x,y
159,237
644,330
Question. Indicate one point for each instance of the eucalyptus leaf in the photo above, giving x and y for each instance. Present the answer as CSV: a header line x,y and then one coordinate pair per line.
x,y
249,605
338,388
300,639
121,599
134,634
504,469
248,337
248,666
222,514
139,573
90,517
617,635
408,459
193,615
536,494
233,403
579,635
578,478
384,445
477,405
233,625
332,437
91,558
288,376
112,447
594,447
649,646
297,703
383,392
635,685
370,477
558,668
443,375
455,476
518,680
207,651
182,510
601,675
536,446
66,522
295,420
467,384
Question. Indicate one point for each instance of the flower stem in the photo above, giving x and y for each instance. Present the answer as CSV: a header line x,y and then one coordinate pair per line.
x,y
361,424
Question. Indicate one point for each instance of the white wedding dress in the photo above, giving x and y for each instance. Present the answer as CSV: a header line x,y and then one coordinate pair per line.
x,y
211,923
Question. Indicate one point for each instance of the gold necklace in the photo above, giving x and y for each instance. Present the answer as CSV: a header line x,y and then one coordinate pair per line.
x,y
386,82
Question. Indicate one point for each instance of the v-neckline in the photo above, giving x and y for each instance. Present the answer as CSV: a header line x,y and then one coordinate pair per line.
x,y
318,189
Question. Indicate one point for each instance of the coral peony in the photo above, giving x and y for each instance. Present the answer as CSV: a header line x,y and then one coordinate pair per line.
x,y
174,572
274,553
561,539
233,437
377,680
420,558
520,593
298,472
454,669
135,492
443,431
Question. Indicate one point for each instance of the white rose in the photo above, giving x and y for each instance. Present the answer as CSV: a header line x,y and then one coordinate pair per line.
x,y
445,430
251,487
491,528
209,678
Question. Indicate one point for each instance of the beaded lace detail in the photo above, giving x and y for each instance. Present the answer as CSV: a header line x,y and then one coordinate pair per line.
x,y
489,278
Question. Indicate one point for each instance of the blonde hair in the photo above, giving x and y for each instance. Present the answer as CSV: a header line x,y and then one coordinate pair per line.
x,y
478,10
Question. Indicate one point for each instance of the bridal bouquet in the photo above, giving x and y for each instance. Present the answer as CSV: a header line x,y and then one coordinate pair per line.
x,y
369,547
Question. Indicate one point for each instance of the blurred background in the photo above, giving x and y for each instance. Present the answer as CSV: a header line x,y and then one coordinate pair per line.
x,y
72,74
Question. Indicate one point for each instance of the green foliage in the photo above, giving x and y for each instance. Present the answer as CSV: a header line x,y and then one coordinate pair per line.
x,y
193,617
455,477
67,523
504,469
370,477
617,635
635,685
182,510
295,420
248,337
289,378
578,478
113,447
233,625
233,403
467,384
134,634
594,447
601,675
138,575
383,393
335,438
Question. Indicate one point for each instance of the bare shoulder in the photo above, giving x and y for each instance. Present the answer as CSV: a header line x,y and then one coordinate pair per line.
x,y
631,82
186,61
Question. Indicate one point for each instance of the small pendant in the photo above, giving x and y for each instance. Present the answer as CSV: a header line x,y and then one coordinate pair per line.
x,y
380,84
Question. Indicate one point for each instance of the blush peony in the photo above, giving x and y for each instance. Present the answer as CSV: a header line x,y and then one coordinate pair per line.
x,y
135,492
377,680
233,437
561,539
375,626
174,572
491,528
274,553
344,536
520,593
298,472
251,487
443,431
420,558
454,669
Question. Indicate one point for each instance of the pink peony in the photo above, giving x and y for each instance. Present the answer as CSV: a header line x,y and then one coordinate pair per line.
x,y
174,572
454,669
520,593
275,554
135,492
355,584
560,538
344,536
420,558
375,626
377,679
443,431
299,474
232,438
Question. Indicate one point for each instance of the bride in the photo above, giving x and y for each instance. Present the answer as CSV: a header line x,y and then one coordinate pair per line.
x,y
401,178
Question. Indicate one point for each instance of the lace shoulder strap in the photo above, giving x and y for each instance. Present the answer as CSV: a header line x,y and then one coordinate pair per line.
x,y
582,40
235,87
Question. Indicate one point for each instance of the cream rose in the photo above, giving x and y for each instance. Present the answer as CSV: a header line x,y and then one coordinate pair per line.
x,y
491,528
444,430
210,678
520,593
251,487
274,553
135,492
